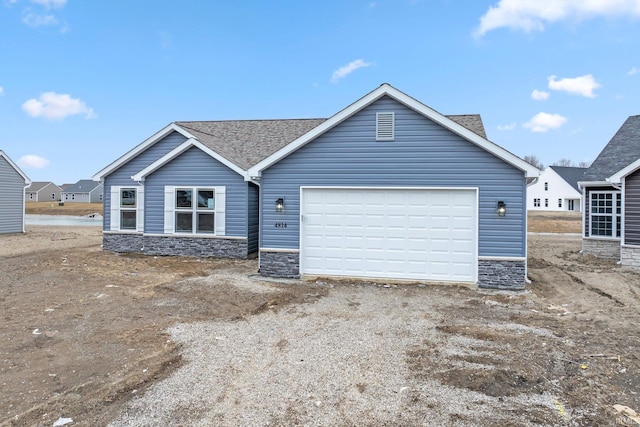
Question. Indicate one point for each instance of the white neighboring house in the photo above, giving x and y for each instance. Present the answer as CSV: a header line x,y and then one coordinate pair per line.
x,y
556,190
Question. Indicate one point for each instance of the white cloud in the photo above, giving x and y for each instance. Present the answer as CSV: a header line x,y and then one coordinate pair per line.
x,y
531,15
510,126
35,20
32,161
56,106
344,71
539,95
542,122
633,71
50,3
583,85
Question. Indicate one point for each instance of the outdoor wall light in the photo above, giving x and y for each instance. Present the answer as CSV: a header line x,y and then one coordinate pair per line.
x,y
279,204
501,208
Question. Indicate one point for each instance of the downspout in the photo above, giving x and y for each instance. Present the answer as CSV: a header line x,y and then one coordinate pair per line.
x,y
526,226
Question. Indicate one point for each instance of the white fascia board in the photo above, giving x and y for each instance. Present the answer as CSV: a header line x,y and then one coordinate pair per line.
x,y
27,181
140,148
386,89
584,184
191,142
616,178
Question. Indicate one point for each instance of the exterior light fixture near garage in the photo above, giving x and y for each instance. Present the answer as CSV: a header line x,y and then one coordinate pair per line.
x,y
501,208
280,205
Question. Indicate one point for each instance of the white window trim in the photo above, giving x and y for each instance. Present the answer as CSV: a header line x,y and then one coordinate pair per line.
x,y
613,214
219,209
114,210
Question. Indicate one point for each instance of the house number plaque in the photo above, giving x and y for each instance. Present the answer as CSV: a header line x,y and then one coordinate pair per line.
x,y
281,225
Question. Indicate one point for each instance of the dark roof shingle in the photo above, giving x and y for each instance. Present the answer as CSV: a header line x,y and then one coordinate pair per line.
x,y
622,150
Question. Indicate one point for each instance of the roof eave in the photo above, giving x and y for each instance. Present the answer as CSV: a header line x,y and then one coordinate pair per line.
x,y
388,90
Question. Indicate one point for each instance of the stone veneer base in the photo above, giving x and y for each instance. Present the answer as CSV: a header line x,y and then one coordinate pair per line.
x,y
502,274
176,245
492,274
602,248
630,256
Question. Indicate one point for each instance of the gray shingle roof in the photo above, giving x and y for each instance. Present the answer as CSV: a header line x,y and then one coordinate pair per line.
x,y
247,142
82,186
37,186
622,150
571,175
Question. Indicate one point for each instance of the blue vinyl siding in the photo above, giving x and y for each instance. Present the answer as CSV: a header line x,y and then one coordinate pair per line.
x,y
253,216
197,169
423,154
11,199
122,175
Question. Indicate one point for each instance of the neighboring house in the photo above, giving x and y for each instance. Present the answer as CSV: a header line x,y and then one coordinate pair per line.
x,y
43,192
12,196
556,190
386,188
611,193
83,191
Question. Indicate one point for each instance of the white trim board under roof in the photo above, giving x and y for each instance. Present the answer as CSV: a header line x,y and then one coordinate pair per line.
x,y
616,178
388,90
140,148
191,142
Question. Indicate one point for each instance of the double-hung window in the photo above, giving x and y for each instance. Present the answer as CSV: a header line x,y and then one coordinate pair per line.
x,y
536,203
604,213
126,210
194,210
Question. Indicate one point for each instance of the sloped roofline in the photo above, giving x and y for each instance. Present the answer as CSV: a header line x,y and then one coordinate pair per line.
x,y
27,181
388,90
140,148
616,178
191,142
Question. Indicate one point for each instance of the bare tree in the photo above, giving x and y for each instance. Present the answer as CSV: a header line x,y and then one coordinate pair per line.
x,y
584,164
532,159
564,162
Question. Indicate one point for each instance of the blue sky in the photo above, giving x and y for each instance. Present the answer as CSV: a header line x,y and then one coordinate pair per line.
x,y
82,82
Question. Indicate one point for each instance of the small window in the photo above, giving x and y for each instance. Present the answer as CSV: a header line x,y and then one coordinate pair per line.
x,y
385,124
128,209
546,186
536,203
53,196
30,196
559,203
546,203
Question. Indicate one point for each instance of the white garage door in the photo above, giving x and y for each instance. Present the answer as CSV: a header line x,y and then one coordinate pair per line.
x,y
422,234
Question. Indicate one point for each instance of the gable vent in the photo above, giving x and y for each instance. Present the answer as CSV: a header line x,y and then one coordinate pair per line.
x,y
384,126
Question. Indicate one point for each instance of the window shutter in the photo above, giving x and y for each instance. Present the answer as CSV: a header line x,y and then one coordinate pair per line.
x,y
385,123
140,209
169,191
221,206
114,211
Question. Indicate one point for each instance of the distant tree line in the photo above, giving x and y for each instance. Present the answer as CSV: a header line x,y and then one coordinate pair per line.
x,y
532,159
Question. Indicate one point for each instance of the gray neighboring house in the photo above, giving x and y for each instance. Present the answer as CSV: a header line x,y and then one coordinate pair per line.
x,y
83,191
611,194
12,196
386,188
43,192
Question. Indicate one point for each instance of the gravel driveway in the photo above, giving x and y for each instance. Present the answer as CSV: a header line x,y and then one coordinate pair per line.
x,y
363,355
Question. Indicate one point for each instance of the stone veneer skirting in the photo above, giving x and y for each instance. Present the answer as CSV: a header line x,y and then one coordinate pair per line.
x,y
492,274
280,264
217,247
630,256
602,248
502,274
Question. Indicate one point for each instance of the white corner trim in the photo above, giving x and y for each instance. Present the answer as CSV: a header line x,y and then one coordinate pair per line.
x,y
616,178
140,148
386,89
191,142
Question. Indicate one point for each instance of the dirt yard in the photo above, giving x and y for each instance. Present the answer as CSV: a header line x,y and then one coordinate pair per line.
x,y
55,208
84,331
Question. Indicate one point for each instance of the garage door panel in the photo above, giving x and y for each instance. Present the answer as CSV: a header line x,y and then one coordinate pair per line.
x,y
424,234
